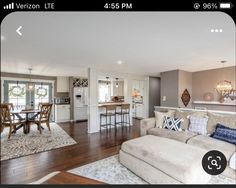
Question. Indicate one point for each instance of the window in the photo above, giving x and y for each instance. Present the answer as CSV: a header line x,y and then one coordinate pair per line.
x,y
17,94
41,94
104,91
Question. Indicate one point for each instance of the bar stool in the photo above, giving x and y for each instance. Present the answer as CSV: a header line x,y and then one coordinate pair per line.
x,y
124,113
110,112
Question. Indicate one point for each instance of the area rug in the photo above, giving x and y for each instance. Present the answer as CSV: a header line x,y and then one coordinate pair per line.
x,y
110,171
21,144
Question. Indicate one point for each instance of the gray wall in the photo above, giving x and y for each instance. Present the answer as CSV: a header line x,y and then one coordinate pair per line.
x,y
173,83
169,88
154,94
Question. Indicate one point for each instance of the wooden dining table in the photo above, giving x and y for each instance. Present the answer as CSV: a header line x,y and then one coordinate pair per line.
x,y
28,119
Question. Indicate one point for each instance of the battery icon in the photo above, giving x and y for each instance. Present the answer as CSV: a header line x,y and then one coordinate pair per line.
x,y
226,5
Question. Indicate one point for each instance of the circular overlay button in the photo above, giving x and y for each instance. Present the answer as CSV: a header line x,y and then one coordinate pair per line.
x,y
214,162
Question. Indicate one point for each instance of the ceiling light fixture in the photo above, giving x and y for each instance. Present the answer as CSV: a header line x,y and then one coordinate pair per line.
x,y
119,62
2,38
117,84
30,84
107,80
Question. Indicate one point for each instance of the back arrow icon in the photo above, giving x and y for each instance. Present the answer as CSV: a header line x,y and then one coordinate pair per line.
x,y
18,30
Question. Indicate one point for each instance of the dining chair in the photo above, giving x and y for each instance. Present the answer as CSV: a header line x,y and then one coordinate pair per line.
x,y
7,119
44,116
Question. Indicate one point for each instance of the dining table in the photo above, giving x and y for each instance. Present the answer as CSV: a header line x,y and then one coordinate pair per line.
x,y
29,116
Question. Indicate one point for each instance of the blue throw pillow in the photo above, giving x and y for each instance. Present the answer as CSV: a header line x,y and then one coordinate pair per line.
x,y
225,133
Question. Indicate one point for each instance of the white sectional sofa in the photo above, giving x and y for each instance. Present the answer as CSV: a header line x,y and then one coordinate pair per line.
x,y
148,127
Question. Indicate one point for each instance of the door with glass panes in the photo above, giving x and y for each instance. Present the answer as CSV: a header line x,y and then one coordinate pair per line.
x,y
24,97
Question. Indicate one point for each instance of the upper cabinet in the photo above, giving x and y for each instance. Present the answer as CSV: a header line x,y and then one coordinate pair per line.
x,y
62,84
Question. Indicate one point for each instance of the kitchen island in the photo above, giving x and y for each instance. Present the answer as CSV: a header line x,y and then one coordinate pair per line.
x,y
117,118
101,105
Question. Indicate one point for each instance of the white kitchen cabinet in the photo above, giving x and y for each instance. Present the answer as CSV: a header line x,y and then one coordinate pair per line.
x,y
62,113
62,84
81,113
139,110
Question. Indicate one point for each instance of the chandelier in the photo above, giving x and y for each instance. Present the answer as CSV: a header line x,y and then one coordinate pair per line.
x,y
224,87
30,84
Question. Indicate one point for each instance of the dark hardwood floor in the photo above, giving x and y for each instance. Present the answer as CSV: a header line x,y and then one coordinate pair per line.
x,y
90,148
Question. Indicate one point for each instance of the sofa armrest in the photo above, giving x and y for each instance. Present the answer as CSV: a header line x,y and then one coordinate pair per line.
x,y
146,124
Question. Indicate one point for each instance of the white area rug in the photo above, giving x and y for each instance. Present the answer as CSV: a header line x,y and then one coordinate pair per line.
x,y
110,171
21,144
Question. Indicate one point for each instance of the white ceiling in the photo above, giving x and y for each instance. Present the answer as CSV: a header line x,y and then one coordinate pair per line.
x,y
67,43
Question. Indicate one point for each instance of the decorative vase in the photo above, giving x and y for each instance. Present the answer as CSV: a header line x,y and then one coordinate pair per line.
x,y
208,96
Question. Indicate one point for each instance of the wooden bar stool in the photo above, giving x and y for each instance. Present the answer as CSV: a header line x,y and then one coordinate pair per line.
x,y
124,113
110,112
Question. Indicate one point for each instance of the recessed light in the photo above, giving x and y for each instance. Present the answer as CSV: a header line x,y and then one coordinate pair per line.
x,y
221,30
216,30
212,30
2,38
119,62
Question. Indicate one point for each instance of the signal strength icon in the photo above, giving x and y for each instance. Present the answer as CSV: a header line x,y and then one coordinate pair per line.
x,y
9,6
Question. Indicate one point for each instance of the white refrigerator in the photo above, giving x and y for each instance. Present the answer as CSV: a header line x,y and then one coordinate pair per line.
x,y
80,103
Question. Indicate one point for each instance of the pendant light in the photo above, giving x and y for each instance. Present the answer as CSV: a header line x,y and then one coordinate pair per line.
x,y
107,80
30,84
117,84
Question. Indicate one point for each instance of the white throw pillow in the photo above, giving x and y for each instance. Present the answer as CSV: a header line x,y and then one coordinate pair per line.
x,y
198,125
159,116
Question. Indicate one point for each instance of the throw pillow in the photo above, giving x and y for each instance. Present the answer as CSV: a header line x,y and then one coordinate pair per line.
x,y
172,123
225,133
183,115
159,116
198,125
227,120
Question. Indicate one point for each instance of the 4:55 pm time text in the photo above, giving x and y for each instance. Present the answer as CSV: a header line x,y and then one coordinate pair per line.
x,y
116,6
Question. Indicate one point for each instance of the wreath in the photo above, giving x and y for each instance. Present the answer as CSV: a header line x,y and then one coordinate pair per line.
x,y
17,91
42,92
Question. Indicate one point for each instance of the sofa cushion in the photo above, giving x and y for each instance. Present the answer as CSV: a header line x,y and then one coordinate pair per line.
x,y
180,161
159,116
146,124
172,123
225,134
210,143
227,120
182,136
198,125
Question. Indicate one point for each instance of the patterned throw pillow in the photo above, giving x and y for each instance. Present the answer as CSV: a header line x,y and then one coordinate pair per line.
x,y
172,123
198,125
159,116
225,133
